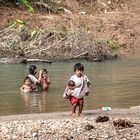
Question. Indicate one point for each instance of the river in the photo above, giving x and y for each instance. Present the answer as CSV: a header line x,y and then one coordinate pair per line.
x,y
113,83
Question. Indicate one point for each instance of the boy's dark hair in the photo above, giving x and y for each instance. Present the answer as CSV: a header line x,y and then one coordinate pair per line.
x,y
32,68
26,78
78,66
71,83
44,70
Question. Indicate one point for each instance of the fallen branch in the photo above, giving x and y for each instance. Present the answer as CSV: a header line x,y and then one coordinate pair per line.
x,y
82,54
38,60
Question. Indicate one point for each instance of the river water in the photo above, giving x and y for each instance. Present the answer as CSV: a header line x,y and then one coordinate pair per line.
x,y
113,83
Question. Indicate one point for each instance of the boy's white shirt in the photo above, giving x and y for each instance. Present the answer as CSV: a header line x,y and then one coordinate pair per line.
x,y
80,92
78,80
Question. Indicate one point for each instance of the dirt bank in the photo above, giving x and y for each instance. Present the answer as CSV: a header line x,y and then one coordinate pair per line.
x,y
72,30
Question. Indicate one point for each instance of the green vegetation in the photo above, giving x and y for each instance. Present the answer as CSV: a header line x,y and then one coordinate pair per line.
x,y
113,44
99,41
28,5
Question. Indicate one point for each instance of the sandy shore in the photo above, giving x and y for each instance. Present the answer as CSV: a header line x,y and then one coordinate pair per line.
x,y
61,126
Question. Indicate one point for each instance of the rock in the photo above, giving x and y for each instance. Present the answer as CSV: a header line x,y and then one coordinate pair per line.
x,y
102,119
89,127
82,13
35,136
122,123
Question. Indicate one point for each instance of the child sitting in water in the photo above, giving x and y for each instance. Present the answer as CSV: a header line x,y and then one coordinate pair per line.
x,y
44,80
69,89
27,86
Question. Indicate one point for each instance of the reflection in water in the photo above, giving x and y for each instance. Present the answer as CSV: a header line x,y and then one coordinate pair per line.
x,y
35,101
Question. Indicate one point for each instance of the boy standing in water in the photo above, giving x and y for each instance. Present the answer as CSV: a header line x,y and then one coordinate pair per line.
x,y
44,80
81,88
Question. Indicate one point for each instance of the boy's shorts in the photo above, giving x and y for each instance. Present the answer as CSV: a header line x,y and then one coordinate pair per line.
x,y
75,100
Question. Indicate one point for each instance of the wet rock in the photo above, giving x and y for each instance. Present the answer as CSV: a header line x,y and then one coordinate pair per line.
x,y
102,119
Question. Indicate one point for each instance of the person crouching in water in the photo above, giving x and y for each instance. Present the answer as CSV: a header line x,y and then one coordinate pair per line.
x,y
32,75
44,80
27,86
80,90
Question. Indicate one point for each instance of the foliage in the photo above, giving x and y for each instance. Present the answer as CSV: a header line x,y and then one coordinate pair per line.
x,y
112,43
33,33
99,41
28,5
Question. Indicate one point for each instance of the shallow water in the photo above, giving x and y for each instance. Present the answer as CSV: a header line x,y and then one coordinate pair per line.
x,y
113,83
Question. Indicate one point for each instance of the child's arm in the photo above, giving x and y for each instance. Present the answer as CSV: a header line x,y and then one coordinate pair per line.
x,y
40,76
69,92
71,88
48,80
88,83
65,94
22,88
33,86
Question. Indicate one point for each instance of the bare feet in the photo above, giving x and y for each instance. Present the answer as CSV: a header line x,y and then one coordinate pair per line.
x,y
74,115
80,114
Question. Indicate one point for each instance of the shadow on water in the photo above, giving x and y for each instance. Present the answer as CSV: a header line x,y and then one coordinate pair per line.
x,y
113,83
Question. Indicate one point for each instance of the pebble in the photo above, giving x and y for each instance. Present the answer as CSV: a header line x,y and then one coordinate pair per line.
x,y
78,128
